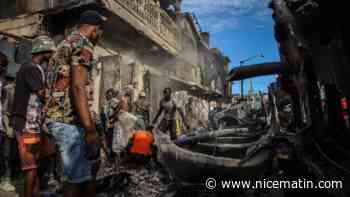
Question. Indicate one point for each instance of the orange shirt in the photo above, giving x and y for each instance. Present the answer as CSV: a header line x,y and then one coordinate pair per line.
x,y
142,143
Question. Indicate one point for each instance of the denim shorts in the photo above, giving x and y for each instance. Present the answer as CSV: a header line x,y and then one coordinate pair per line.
x,y
72,148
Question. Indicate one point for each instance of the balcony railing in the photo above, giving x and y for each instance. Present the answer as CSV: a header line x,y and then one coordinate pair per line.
x,y
150,13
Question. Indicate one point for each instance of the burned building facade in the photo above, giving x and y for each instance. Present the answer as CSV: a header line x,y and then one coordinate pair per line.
x,y
147,44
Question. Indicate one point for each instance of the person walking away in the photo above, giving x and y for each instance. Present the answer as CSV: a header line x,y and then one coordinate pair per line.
x,y
6,132
70,118
141,108
168,107
28,112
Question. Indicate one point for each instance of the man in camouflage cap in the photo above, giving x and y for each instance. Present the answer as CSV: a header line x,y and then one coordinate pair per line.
x,y
43,44
27,114
71,119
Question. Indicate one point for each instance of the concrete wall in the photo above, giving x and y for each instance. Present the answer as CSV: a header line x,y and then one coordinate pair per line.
x,y
26,26
214,69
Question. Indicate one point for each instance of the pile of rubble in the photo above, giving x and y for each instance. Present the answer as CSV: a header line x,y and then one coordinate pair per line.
x,y
146,181
132,181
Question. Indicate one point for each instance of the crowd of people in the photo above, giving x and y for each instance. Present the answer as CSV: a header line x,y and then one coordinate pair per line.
x,y
51,111
46,116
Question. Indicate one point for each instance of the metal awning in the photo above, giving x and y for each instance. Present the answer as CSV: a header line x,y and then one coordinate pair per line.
x,y
255,70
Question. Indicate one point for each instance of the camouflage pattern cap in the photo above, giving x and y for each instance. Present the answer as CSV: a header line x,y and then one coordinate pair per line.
x,y
43,43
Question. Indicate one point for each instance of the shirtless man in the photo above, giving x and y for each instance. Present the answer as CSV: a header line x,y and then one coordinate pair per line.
x,y
168,107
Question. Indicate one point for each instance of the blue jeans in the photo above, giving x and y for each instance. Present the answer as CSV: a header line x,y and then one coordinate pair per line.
x,y
72,148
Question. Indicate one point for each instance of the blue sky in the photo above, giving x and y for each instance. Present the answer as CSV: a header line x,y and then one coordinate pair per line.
x,y
241,29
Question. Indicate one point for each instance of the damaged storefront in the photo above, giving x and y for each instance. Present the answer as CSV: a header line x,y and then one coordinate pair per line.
x,y
132,50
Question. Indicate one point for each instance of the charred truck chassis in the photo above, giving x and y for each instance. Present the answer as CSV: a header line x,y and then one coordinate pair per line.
x,y
314,46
